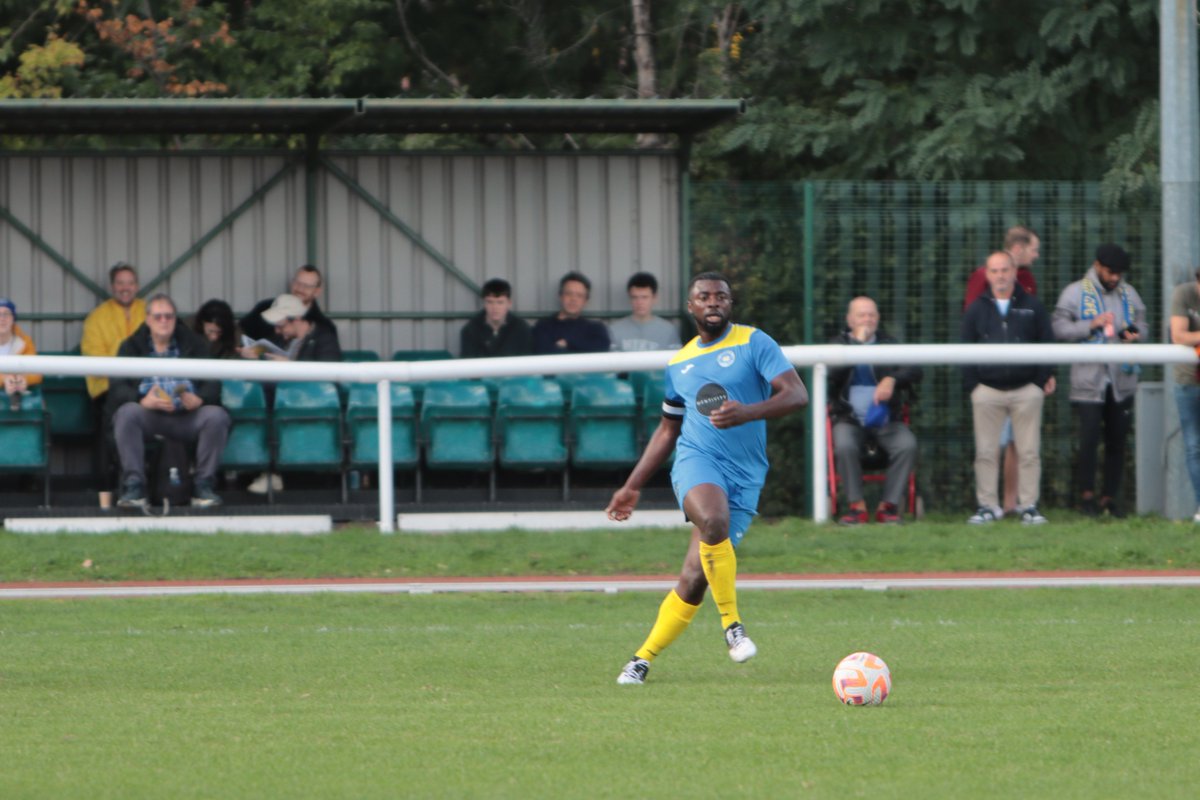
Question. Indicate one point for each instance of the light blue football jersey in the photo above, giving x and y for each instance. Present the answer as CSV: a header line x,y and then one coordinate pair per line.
x,y
743,362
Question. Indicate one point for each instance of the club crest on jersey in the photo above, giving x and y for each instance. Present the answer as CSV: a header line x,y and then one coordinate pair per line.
x,y
727,358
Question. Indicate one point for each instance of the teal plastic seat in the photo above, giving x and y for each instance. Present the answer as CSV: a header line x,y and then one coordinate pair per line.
x,y
67,402
456,428
603,424
362,426
641,381
421,355
651,405
25,438
249,443
569,380
359,356
530,421
307,420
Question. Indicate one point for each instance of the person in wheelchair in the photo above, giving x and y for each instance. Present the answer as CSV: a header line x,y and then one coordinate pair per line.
x,y
867,409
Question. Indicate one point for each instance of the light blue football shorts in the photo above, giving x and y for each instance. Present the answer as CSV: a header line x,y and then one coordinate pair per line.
x,y
743,501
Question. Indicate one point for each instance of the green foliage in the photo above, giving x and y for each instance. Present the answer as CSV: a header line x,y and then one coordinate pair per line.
x,y
942,90
43,69
949,89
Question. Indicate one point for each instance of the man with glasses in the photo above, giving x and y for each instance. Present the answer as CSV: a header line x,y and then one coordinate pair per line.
x,y
173,408
307,286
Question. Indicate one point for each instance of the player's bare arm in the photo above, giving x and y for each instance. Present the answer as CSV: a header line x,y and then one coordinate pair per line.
x,y
660,446
788,394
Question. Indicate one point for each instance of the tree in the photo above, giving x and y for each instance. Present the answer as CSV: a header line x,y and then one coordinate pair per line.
x,y
940,90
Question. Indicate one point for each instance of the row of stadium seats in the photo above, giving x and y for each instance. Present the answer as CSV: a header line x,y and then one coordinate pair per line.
x,y
521,424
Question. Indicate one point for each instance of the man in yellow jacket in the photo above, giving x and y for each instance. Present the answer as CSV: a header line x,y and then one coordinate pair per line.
x,y
111,323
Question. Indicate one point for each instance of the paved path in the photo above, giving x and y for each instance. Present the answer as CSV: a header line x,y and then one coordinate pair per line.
x,y
606,584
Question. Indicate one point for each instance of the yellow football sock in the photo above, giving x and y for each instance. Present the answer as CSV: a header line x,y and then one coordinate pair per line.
x,y
720,567
674,615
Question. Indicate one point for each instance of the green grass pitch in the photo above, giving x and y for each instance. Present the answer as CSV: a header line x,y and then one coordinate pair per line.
x,y
1071,693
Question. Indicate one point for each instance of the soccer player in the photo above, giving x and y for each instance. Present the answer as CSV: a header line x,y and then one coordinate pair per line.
x,y
721,387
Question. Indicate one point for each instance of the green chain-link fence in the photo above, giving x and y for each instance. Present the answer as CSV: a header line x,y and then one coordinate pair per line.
x,y
910,246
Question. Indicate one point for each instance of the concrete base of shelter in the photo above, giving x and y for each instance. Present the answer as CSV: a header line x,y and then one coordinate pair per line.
x,y
258,524
418,522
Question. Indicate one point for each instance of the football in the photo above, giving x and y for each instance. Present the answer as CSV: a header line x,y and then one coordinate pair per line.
x,y
862,679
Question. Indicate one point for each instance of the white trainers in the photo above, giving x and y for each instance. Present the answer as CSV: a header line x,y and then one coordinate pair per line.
x,y
741,649
634,673
259,484
1031,516
985,516
1196,517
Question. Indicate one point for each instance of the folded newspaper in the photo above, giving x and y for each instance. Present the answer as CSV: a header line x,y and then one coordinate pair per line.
x,y
261,346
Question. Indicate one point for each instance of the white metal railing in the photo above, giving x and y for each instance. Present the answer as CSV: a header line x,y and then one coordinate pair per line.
x,y
384,373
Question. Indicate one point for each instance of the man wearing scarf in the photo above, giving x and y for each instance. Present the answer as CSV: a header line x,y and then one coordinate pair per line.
x,y
1102,308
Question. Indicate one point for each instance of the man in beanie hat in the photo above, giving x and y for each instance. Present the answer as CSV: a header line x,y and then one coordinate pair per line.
x,y
1102,308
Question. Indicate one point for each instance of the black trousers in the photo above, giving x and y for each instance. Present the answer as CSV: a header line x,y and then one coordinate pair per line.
x,y
1116,420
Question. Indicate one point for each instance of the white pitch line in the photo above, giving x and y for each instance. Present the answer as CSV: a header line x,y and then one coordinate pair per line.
x,y
592,585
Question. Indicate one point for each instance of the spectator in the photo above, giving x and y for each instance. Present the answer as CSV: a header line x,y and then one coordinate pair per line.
x,y
111,323
1102,308
304,340
15,342
173,408
307,285
1185,330
214,322
641,330
1024,246
1007,314
495,330
569,331
867,403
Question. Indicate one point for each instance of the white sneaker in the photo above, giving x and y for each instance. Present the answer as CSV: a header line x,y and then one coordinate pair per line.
x,y
985,516
1196,516
259,484
634,673
741,649
1031,516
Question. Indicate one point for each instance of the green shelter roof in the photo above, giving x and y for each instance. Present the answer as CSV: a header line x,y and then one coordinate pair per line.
x,y
357,116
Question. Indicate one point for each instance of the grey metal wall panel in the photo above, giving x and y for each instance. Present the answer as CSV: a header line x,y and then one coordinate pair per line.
x,y
528,218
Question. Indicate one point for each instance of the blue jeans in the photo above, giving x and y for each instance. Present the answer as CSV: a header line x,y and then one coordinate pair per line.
x,y
1187,398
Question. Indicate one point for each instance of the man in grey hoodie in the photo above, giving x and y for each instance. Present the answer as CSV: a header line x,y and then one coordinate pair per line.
x,y
1102,308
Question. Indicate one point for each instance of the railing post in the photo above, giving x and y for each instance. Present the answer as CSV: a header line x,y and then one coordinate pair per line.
x,y
820,472
387,489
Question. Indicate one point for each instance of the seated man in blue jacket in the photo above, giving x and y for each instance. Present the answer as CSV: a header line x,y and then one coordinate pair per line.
x,y
174,408
866,402
569,331
1006,314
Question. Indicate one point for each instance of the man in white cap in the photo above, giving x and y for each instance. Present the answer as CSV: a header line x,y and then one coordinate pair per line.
x,y
304,340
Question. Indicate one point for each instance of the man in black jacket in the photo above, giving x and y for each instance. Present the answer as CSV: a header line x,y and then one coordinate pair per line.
x,y
174,408
868,402
496,331
1006,314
